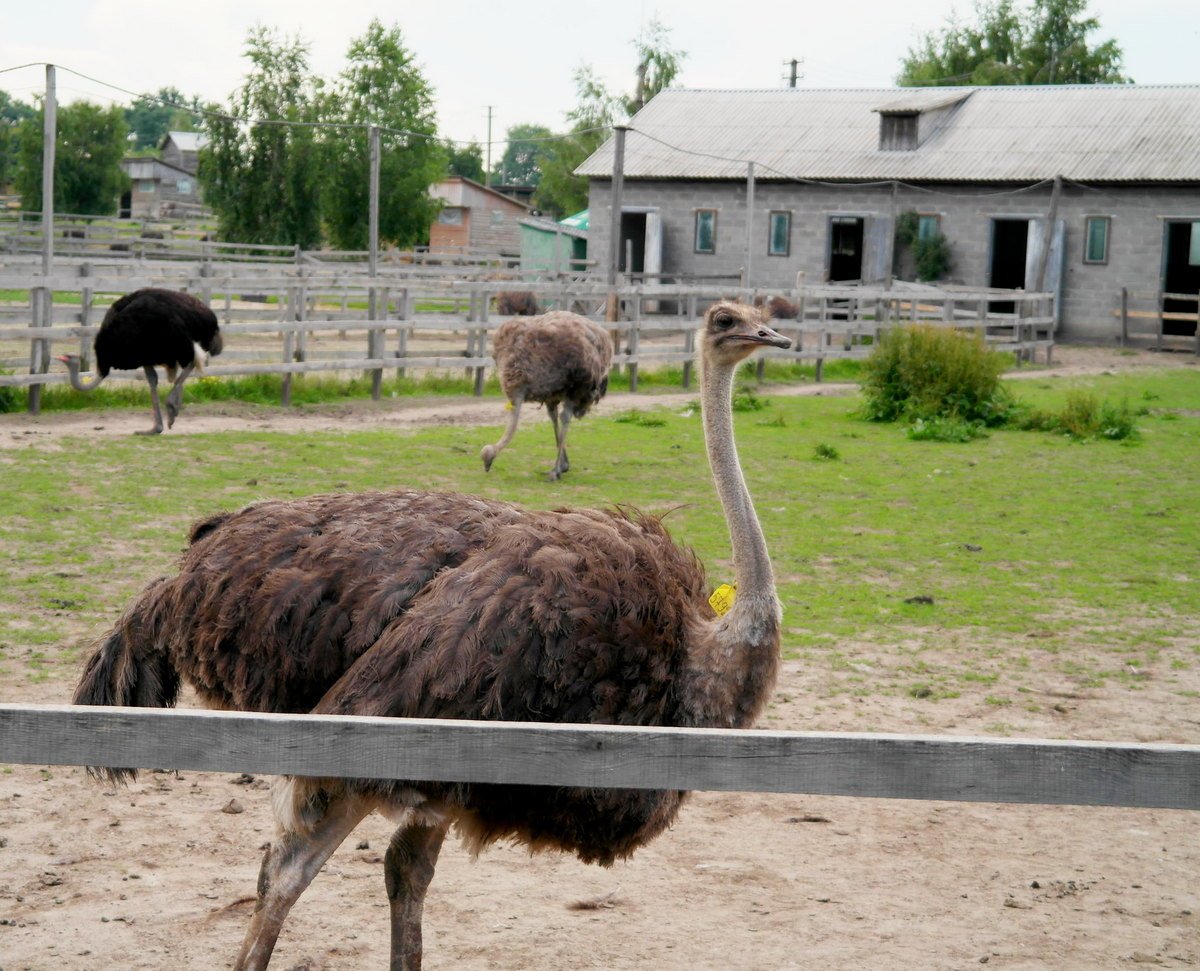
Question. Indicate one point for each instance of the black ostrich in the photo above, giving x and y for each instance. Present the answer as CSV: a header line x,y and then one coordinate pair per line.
x,y
153,327
419,604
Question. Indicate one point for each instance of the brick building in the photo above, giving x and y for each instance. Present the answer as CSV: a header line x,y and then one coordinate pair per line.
x,y
1117,166
476,219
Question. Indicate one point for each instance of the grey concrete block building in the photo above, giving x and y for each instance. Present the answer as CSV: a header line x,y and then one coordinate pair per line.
x,y
1085,189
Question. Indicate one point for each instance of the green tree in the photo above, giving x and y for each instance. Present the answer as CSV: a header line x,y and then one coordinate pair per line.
x,y
381,86
466,161
89,145
261,177
12,113
560,191
150,118
597,109
658,65
519,164
1045,45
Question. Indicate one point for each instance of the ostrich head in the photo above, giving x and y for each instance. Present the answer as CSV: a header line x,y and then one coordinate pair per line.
x,y
733,331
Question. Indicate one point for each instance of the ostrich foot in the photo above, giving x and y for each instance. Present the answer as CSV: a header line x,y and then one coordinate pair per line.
x,y
172,413
555,474
151,431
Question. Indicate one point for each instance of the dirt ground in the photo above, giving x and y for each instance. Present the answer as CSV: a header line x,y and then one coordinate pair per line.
x,y
161,875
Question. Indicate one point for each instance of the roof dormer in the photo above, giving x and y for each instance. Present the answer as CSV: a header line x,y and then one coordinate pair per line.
x,y
906,124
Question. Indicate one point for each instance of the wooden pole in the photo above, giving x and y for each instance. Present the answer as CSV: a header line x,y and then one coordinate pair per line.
x,y
43,302
749,281
374,338
1048,236
614,230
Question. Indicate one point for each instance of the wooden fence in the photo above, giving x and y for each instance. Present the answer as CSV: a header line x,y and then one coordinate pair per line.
x,y
934,767
305,319
1164,320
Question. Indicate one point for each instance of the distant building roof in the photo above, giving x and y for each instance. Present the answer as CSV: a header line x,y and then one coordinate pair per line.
x,y
1098,133
552,227
187,141
579,220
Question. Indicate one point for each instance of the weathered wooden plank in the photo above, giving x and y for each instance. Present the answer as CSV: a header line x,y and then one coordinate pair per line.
x,y
850,764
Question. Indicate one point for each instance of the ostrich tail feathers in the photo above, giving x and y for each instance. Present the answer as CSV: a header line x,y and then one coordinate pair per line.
x,y
127,670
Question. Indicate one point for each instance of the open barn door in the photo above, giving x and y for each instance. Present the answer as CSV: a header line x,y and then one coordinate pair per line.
x,y
877,249
1052,278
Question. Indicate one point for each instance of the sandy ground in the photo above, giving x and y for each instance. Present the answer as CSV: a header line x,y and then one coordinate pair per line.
x,y
160,875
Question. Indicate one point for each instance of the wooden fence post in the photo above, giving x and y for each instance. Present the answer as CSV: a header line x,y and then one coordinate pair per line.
x,y
481,342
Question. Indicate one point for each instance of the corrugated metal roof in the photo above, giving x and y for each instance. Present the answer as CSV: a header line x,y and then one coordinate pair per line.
x,y
188,141
1087,133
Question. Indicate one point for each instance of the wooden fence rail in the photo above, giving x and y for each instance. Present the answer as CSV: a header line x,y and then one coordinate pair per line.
x,y
1159,318
834,764
340,318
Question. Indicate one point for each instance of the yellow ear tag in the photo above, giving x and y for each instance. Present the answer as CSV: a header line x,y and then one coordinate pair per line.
x,y
508,406
722,599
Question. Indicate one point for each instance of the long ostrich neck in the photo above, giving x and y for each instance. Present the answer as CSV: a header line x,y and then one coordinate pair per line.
x,y
733,660
752,565
77,382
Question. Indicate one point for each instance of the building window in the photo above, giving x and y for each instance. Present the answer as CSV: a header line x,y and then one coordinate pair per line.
x,y
451,216
706,230
898,132
184,186
1096,239
146,185
497,217
779,242
928,227
1194,246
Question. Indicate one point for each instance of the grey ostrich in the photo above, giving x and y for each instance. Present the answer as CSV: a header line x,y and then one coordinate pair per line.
x,y
152,327
412,604
558,358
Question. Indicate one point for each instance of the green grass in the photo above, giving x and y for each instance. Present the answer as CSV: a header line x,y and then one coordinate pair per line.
x,y
1038,552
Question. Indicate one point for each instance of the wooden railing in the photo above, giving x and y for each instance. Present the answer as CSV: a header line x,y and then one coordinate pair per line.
x,y
934,767
1145,319
288,319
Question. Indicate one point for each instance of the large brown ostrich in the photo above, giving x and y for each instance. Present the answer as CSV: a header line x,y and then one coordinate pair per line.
x,y
152,327
413,604
558,358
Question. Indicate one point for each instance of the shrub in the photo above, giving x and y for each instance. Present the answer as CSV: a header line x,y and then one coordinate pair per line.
x,y
925,372
945,430
1083,417
826,453
10,398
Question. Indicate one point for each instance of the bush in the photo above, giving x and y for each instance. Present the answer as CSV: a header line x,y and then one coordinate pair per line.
x,y
1083,418
10,398
925,372
945,430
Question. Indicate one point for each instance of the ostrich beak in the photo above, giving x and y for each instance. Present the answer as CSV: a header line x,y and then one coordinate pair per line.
x,y
763,335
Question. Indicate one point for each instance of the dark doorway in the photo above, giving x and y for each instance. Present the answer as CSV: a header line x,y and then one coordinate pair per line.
x,y
1181,274
845,248
126,210
633,242
1010,240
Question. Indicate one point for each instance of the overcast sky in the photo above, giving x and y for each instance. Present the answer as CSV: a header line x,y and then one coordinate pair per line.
x,y
519,57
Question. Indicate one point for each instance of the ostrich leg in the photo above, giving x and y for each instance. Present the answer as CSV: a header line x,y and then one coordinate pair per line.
x,y
288,867
561,464
490,452
408,868
152,377
175,398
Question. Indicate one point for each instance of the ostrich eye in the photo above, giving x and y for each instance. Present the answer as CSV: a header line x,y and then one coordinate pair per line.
x,y
724,321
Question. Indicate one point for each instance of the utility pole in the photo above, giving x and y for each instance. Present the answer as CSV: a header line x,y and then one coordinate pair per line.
x,y
614,231
487,172
749,224
1039,279
45,298
375,340
793,75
